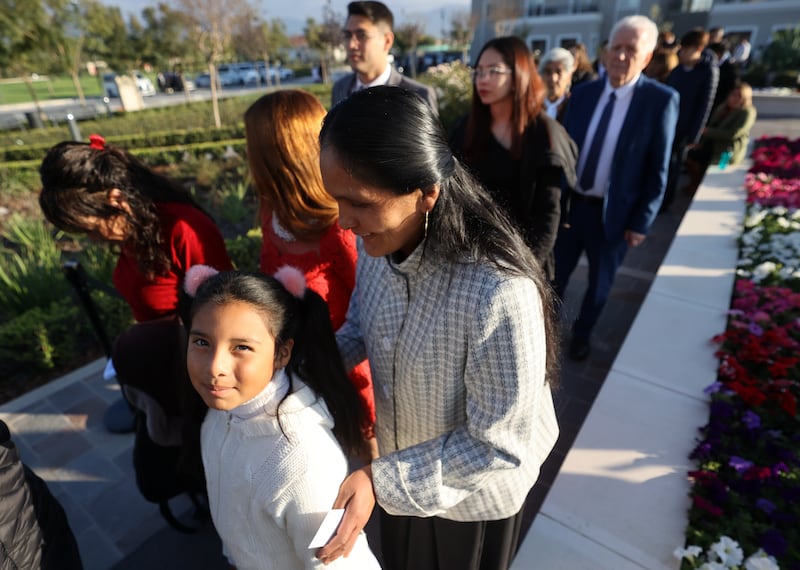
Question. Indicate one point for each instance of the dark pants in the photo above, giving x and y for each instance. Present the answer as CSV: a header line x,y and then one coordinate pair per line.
x,y
413,543
674,173
586,234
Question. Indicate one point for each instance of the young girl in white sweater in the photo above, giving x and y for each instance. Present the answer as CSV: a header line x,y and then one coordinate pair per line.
x,y
263,357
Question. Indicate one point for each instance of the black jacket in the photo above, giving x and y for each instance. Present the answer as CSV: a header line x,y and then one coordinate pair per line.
x,y
549,157
34,532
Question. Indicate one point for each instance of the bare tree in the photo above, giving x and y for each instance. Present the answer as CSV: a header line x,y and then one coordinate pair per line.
x,y
407,37
213,23
325,38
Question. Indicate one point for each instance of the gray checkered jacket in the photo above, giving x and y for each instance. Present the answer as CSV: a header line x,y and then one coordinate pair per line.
x,y
464,416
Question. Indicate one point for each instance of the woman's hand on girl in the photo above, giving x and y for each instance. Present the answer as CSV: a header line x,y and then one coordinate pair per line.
x,y
357,497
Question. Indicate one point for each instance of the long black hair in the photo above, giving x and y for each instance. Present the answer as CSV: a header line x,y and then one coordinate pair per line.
x,y
315,357
390,138
76,179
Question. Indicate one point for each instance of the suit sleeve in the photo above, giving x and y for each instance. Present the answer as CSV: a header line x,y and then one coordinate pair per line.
x,y
657,165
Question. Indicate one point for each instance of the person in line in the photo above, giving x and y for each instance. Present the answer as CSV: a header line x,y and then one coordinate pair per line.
x,y
624,128
160,231
34,529
728,130
695,79
599,63
729,73
583,70
368,36
741,53
518,152
263,357
661,65
298,218
556,68
456,318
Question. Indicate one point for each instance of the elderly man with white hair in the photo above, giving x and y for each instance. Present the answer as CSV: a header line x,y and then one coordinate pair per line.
x,y
624,125
556,68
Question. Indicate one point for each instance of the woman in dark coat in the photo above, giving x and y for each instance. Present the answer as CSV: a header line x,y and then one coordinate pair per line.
x,y
521,155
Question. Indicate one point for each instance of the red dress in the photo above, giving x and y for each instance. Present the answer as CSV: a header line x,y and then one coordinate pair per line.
x,y
191,238
331,273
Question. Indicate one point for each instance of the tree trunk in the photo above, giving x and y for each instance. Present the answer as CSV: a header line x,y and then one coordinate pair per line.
x,y
29,84
212,74
76,81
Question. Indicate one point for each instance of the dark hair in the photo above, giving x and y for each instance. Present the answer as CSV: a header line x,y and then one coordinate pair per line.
x,y
375,12
389,137
315,355
76,180
528,92
697,38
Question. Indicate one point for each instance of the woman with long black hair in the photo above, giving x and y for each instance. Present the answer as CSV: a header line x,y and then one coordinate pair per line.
x,y
455,316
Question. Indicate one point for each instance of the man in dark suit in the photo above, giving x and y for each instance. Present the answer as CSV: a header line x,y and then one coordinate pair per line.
x,y
368,37
624,126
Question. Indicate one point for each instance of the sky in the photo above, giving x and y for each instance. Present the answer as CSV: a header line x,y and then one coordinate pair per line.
x,y
295,12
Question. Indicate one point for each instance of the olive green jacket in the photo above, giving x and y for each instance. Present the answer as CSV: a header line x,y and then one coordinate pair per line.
x,y
729,131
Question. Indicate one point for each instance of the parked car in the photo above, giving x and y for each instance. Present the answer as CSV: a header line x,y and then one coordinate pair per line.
x,y
204,81
248,74
228,75
143,83
274,72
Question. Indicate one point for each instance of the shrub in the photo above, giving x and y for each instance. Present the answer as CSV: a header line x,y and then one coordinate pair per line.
x,y
245,251
453,83
30,266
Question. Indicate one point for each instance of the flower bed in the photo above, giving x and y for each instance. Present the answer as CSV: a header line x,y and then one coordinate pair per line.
x,y
745,492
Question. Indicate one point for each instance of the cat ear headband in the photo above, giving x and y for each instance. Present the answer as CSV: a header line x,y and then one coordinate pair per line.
x,y
290,277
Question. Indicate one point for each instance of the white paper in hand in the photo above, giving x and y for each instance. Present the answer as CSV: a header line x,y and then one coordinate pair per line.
x,y
328,527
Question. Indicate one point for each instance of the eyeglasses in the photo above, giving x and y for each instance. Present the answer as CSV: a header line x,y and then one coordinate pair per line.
x,y
360,35
493,72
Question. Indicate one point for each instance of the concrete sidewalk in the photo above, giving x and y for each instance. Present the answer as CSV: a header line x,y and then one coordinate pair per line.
x,y
59,431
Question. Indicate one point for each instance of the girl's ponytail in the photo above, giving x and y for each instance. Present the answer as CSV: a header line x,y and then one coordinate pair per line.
x,y
317,361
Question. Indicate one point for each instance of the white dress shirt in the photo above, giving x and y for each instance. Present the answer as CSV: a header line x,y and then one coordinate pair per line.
x,y
624,96
382,79
551,107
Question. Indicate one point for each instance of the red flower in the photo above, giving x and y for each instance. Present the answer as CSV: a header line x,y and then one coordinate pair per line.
x,y
707,506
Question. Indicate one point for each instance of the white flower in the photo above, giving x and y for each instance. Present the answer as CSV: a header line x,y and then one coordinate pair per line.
x,y
761,561
712,566
690,553
728,551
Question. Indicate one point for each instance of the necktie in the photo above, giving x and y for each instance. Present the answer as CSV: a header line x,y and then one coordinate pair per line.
x,y
590,167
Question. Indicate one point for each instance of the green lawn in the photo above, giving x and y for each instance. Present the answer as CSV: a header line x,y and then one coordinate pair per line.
x,y
49,87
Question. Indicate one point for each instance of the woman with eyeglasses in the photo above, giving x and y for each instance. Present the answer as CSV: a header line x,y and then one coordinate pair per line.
x,y
521,155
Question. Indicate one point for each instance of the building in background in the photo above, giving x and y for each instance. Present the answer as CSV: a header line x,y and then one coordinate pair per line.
x,y
545,24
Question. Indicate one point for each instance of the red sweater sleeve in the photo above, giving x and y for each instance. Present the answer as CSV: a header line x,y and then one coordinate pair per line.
x,y
189,238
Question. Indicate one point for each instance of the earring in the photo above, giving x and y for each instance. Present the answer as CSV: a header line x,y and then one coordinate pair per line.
x,y
425,230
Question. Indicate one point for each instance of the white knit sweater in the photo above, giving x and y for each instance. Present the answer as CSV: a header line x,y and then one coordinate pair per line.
x,y
270,489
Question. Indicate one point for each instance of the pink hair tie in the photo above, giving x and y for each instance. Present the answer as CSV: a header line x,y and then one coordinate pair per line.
x,y
196,276
97,142
292,280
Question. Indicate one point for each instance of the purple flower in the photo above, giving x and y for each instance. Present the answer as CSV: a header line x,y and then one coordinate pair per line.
x,y
741,465
765,505
773,543
751,419
713,388
755,330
